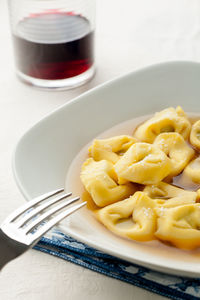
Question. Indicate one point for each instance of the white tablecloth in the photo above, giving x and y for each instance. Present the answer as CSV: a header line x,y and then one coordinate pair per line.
x,y
130,34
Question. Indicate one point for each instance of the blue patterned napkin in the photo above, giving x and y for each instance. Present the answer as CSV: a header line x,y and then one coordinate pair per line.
x,y
58,244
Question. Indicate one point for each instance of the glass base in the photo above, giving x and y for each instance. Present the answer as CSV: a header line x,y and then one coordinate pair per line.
x,y
62,84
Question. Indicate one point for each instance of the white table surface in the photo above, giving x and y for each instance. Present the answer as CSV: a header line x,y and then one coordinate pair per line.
x,y
130,34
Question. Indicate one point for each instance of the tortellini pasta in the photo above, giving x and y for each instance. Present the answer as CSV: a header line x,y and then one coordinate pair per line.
x,y
173,202
166,191
137,217
168,120
180,226
112,148
143,163
174,146
195,135
133,218
99,179
174,198
131,181
193,170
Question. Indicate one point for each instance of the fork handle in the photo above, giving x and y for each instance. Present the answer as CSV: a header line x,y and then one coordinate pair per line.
x,y
9,249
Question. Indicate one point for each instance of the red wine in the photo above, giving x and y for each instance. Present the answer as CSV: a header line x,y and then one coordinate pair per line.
x,y
53,46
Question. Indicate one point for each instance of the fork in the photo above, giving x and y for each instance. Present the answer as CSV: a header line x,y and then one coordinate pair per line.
x,y
23,228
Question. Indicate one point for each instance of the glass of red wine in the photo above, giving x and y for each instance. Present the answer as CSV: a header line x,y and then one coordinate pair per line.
x,y
53,41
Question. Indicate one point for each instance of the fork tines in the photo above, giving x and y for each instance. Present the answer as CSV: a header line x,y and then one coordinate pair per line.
x,y
37,216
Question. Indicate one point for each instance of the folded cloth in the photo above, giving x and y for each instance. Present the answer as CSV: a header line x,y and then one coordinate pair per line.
x,y
59,244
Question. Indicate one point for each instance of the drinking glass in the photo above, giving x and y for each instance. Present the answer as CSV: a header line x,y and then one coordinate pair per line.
x,y
53,41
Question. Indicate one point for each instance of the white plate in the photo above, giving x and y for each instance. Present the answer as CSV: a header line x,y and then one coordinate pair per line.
x,y
44,154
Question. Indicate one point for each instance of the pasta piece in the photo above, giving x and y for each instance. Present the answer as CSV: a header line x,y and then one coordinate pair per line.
x,y
193,170
167,120
166,191
133,218
143,163
176,148
195,135
111,149
173,202
99,179
180,226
